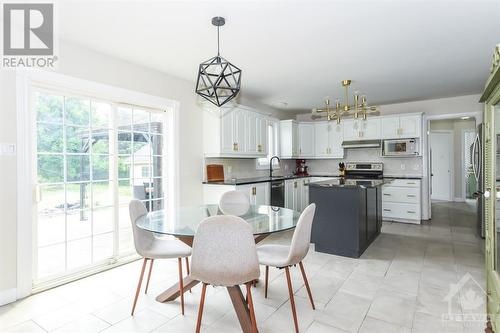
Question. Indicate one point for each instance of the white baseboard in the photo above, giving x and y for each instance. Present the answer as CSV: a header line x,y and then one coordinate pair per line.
x,y
458,199
8,296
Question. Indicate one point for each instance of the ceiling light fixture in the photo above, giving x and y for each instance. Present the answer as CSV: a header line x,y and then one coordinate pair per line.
x,y
218,80
356,110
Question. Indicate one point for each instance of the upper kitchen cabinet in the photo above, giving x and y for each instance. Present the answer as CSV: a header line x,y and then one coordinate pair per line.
x,y
256,131
234,132
328,138
404,126
359,129
306,139
289,139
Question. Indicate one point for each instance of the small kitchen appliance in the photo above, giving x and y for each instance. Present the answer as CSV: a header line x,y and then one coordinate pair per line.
x,y
401,147
301,168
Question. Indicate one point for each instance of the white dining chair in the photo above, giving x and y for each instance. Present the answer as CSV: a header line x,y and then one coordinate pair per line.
x,y
234,203
150,247
284,256
224,254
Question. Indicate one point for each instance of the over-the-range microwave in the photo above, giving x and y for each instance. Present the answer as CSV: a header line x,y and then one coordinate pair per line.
x,y
400,147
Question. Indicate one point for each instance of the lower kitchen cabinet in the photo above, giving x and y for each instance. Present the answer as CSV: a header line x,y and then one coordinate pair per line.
x,y
258,193
401,201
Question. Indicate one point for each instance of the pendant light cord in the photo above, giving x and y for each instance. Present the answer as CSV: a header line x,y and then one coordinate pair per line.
x,y
218,42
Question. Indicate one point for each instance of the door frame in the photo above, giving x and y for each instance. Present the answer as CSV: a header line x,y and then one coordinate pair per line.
x,y
426,182
452,162
26,167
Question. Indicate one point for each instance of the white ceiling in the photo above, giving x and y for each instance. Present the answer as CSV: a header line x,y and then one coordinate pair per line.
x,y
298,51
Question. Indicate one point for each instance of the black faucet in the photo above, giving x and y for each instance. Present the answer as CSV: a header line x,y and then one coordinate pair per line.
x,y
271,165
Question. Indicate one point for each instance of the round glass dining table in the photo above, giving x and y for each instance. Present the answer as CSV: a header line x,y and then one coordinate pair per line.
x,y
182,223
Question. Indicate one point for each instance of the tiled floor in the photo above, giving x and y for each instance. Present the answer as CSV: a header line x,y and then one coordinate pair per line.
x,y
399,285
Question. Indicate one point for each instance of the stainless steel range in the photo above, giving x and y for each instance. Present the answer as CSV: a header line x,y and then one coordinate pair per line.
x,y
364,170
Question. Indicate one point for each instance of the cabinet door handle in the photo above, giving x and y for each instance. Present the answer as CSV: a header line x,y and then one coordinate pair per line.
x,y
295,184
410,211
387,194
411,196
387,210
411,183
254,190
235,146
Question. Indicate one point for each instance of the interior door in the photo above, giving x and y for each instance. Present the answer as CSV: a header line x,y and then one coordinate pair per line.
x,y
442,159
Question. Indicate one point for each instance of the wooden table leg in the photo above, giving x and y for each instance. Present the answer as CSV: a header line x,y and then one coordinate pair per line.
x,y
173,292
241,308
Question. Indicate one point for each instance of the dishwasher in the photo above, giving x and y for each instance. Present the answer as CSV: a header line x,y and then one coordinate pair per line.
x,y
278,193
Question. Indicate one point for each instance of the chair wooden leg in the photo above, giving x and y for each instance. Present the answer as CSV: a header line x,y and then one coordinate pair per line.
x,y
250,307
181,285
292,300
187,265
200,309
139,284
302,270
149,275
187,268
266,281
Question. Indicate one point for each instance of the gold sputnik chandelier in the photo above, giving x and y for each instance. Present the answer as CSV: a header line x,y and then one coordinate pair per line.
x,y
359,108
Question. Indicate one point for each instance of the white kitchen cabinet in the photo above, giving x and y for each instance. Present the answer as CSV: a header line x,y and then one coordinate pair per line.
x,y
292,194
401,126
251,132
234,132
411,126
359,129
289,139
303,189
328,138
262,135
306,139
258,193
401,201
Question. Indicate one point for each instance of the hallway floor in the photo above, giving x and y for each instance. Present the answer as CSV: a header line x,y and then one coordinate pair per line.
x,y
400,284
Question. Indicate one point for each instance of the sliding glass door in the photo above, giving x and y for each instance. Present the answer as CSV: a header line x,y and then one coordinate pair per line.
x,y
92,158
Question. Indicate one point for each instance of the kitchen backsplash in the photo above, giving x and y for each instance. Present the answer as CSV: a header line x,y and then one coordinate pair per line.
x,y
246,168
392,165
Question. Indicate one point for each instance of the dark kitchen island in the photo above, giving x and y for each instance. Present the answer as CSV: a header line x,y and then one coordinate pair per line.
x,y
348,215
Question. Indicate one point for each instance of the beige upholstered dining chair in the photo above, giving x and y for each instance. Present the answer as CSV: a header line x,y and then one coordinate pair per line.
x,y
224,254
234,203
284,256
151,247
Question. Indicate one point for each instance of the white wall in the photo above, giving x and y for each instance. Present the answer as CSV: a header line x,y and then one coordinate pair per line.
x,y
457,126
86,64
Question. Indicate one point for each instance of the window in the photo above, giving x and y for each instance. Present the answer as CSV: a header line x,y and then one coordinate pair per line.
x,y
93,157
273,146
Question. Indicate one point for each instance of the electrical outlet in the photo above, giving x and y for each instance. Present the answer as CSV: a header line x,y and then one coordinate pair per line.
x,y
229,168
416,167
403,166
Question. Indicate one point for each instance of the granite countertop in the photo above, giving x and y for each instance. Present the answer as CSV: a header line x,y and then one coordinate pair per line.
x,y
253,180
351,183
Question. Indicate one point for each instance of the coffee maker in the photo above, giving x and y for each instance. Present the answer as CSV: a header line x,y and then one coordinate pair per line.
x,y
301,168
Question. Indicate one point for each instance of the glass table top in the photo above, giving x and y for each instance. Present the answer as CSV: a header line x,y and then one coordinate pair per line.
x,y
185,220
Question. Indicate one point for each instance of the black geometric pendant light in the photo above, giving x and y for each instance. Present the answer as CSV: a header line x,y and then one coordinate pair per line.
x,y
218,79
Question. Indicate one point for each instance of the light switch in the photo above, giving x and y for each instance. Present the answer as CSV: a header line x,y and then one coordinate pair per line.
x,y
7,149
